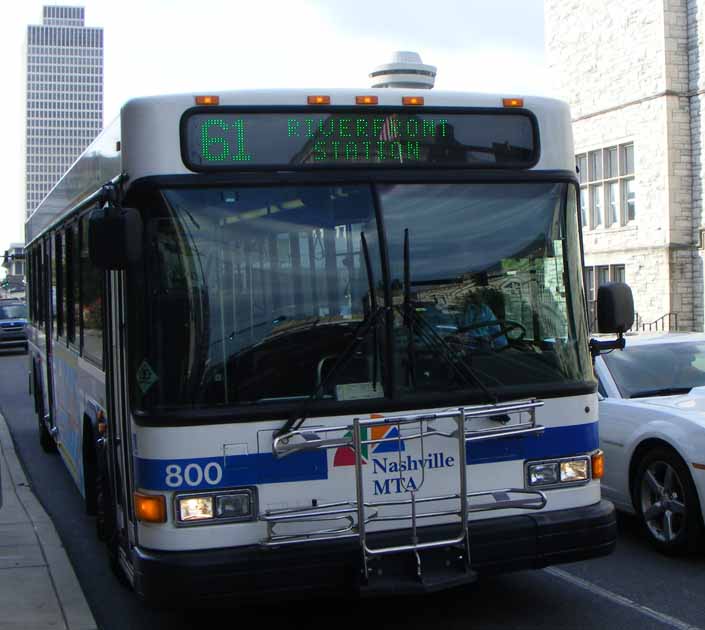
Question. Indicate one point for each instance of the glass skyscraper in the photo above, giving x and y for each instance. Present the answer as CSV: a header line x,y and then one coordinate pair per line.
x,y
64,96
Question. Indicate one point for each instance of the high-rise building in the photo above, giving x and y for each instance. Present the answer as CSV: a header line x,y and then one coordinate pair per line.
x,y
64,96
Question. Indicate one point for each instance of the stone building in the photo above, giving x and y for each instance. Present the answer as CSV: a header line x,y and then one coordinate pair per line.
x,y
631,73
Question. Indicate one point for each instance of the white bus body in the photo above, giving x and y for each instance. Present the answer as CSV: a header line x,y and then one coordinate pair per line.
x,y
173,379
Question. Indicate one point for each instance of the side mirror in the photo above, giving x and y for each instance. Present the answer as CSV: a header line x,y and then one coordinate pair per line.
x,y
615,308
615,314
114,237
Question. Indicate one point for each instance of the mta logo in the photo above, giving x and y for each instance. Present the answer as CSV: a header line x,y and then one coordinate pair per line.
x,y
345,455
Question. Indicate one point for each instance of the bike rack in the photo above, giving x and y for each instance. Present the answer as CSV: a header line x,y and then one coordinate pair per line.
x,y
352,519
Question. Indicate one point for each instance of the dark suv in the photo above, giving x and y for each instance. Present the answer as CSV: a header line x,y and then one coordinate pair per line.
x,y
13,324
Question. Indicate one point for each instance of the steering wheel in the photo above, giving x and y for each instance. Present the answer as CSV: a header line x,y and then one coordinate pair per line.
x,y
505,326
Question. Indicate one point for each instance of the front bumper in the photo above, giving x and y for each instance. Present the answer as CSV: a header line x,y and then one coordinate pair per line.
x,y
497,545
13,340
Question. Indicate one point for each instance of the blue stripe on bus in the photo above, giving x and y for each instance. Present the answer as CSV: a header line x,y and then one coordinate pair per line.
x,y
233,470
555,442
204,473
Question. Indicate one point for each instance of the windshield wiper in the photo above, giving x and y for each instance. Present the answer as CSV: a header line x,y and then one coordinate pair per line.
x,y
363,329
459,365
369,323
429,334
663,391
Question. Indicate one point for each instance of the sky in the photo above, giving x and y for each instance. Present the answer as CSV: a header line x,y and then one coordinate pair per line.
x,y
167,46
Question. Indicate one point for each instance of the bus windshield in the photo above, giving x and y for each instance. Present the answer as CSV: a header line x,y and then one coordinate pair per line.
x,y
251,295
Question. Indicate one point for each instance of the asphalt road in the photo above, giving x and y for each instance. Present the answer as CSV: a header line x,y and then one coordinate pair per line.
x,y
634,587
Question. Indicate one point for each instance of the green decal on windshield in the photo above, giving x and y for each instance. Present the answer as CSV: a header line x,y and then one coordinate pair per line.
x,y
146,376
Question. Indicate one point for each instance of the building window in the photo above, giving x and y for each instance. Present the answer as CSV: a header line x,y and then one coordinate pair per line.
x,y
595,277
617,273
607,186
595,206
603,275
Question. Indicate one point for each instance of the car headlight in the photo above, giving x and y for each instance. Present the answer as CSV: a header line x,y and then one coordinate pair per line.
x,y
558,472
215,507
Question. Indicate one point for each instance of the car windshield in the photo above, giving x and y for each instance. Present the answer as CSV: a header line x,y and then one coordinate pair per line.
x,y
658,369
13,311
254,294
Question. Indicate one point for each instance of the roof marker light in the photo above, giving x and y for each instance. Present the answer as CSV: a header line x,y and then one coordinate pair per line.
x,y
412,100
207,100
318,99
513,102
366,100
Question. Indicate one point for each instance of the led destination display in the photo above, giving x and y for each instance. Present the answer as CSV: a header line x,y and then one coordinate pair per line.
x,y
226,140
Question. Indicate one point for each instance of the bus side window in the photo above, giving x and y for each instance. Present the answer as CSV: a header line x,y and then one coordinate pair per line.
x,y
76,272
54,293
28,274
34,285
60,285
42,284
91,292
71,293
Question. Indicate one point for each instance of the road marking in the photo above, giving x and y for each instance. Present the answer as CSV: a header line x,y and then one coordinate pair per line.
x,y
620,599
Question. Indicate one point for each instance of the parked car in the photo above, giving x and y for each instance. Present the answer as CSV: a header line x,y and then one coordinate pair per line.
x,y
13,324
652,430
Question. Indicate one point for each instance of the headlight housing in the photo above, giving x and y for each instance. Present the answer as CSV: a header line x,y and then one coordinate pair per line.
x,y
211,508
559,473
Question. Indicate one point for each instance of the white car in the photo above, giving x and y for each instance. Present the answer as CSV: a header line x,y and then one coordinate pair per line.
x,y
652,430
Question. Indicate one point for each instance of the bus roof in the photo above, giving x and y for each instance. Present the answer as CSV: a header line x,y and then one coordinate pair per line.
x,y
145,139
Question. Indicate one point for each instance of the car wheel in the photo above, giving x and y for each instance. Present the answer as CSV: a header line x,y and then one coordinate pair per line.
x,y
666,502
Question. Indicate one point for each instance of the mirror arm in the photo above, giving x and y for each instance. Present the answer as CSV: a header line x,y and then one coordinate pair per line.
x,y
597,347
109,194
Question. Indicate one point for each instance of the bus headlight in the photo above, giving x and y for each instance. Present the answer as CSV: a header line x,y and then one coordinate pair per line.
x,y
543,474
195,509
215,507
233,505
558,472
574,470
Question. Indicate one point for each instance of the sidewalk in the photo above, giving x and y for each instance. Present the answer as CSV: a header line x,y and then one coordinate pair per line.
x,y
38,587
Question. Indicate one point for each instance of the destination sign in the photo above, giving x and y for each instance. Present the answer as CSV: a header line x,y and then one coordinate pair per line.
x,y
228,140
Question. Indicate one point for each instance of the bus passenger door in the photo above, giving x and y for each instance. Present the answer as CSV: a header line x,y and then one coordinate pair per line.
x,y
119,422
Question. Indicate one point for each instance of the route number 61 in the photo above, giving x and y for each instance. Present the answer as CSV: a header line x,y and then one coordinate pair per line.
x,y
193,475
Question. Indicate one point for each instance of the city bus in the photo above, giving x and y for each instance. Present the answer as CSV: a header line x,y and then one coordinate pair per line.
x,y
322,340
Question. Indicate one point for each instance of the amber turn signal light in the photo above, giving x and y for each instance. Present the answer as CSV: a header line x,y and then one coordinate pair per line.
x,y
598,465
150,508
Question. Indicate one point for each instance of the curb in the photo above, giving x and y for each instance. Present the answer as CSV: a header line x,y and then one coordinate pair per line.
x,y
74,607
